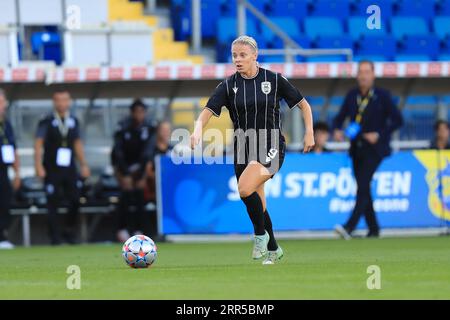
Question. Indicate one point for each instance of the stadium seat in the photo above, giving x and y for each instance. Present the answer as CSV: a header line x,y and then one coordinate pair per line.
x,y
292,8
227,29
303,41
415,8
94,13
373,58
377,45
359,8
445,46
8,13
210,11
412,58
443,8
322,26
357,27
441,27
288,25
443,57
404,26
334,42
229,7
423,44
327,58
330,8
47,46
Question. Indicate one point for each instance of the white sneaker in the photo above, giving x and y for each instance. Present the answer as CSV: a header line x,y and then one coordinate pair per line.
x,y
6,245
342,232
123,235
273,256
260,246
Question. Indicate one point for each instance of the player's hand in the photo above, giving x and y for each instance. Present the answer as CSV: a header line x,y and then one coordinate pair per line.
x,y
309,143
85,171
338,135
16,183
195,140
40,172
371,137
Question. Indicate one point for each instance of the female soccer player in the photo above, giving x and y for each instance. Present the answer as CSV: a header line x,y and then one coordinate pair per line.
x,y
252,96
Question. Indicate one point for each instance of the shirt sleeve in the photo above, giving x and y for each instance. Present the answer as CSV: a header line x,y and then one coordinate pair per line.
x,y
288,92
11,138
42,128
76,130
218,99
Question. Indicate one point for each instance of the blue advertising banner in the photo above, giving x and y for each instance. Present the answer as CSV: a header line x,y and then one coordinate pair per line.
x,y
311,192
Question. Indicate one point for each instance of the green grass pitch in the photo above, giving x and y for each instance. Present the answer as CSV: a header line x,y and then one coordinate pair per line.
x,y
411,268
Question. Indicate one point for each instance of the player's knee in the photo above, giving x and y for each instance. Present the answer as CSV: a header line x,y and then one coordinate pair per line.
x,y
244,190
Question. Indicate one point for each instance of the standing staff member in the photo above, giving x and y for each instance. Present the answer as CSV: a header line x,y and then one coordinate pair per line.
x,y
8,157
252,95
373,117
131,153
58,135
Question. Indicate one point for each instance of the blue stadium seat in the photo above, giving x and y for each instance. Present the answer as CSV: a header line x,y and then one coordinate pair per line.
x,y
373,58
441,27
288,25
227,29
424,44
445,46
330,8
292,8
412,58
47,46
421,100
327,58
443,8
403,26
229,7
301,40
443,57
359,8
210,11
385,46
334,42
415,8
322,26
357,27
271,58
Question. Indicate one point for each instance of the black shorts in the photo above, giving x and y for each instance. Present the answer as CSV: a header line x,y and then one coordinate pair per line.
x,y
270,156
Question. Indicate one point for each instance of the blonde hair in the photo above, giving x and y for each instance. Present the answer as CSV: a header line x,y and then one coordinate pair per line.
x,y
246,40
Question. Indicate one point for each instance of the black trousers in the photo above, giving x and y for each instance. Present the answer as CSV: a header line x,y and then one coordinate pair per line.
x,y
62,187
6,194
365,163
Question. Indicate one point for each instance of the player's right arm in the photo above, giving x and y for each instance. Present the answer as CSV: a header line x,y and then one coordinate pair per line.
x,y
201,122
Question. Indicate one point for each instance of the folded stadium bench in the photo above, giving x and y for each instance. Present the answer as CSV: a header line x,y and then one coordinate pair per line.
x,y
420,44
412,58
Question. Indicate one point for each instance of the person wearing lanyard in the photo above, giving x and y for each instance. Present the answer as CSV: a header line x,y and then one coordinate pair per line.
x,y
373,118
58,137
8,157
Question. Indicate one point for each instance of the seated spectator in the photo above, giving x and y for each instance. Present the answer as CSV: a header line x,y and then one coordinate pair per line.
x,y
441,135
321,136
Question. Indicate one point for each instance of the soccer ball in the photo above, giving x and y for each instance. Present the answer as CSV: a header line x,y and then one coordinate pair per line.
x,y
139,251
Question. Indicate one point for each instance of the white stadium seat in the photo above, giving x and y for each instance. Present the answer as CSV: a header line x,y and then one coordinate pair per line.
x,y
42,12
86,47
8,13
92,13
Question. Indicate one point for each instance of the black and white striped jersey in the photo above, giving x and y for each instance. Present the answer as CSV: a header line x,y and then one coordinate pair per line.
x,y
254,103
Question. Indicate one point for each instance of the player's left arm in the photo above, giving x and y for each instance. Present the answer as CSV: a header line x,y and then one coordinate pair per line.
x,y
79,153
308,144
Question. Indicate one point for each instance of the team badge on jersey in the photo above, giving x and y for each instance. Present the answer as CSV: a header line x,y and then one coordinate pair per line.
x,y
266,87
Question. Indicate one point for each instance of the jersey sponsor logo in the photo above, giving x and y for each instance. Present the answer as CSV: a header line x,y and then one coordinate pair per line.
x,y
266,87
271,154
235,89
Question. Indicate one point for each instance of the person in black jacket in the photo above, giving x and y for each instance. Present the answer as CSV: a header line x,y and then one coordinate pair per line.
x,y
131,154
373,117
57,146
8,157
